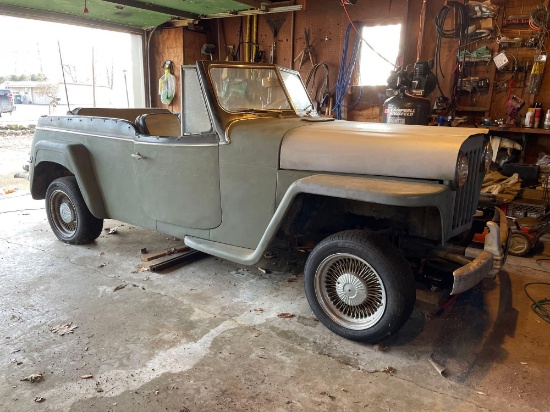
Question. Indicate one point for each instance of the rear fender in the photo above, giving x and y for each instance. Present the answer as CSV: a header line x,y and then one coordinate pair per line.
x,y
75,157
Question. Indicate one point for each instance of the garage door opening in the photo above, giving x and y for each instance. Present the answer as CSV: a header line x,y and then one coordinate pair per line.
x,y
102,68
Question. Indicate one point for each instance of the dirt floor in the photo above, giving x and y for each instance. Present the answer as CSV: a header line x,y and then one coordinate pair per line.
x,y
15,145
16,132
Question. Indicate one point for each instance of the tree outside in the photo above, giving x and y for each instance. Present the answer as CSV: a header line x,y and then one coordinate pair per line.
x,y
50,90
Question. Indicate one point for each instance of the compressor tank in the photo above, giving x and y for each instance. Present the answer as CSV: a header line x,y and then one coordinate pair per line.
x,y
406,109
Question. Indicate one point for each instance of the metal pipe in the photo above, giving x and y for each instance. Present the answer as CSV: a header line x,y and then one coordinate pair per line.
x,y
219,40
247,39
420,41
292,19
254,37
149,63
126,85
64,81
182,107
93,78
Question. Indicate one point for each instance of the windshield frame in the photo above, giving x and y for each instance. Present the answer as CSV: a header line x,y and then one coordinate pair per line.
x,y
252,111
312,111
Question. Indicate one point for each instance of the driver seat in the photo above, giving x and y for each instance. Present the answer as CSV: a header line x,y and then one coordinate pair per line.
x,y
159,124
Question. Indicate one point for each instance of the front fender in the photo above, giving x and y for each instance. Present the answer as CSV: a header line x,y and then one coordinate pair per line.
x,y
376,190
76,158
372,190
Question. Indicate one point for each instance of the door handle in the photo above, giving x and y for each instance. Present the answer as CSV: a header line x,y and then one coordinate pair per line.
x,y
138,156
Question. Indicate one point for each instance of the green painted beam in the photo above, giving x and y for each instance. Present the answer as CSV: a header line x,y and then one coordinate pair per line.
x,y
146,14
155,8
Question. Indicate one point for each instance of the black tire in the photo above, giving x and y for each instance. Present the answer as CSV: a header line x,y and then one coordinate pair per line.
x,y
338,275
68,215
519,244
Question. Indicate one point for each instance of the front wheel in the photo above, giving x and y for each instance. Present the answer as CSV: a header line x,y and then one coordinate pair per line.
x,y
68,215
359,286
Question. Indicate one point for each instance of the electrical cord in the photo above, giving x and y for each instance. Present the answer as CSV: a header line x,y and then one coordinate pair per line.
x,y
539,18
460,31
343,4
540,307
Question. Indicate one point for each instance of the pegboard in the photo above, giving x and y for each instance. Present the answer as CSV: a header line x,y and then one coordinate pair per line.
x,y
327,23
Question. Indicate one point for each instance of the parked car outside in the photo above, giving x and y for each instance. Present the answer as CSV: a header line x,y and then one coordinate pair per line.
x,y
248,162
6,101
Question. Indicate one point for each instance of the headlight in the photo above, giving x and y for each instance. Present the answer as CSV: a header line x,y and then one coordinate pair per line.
x,y
461,170
488,156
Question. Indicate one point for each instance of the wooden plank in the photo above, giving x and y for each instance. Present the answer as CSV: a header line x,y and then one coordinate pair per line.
x,y
155,255
171,260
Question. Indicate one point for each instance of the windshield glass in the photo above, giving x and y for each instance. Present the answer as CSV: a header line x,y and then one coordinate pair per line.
x,y
297,91
248,89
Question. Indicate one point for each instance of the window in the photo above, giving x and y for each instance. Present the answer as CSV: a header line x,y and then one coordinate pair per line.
x,y
373,70
297,91
248,89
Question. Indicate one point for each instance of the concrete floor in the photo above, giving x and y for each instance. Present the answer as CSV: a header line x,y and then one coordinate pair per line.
x,y
205,336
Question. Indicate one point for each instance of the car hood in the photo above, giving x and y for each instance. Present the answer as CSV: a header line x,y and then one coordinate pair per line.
x,y
375,149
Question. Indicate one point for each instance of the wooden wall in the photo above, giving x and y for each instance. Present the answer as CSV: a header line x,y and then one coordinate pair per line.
x,y
328,22
178,44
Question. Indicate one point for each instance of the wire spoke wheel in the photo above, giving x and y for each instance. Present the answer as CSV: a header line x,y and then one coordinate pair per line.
x,y
359,285
64,215
350,291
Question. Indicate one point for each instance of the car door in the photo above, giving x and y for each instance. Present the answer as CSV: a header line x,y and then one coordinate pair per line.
x,y
178,176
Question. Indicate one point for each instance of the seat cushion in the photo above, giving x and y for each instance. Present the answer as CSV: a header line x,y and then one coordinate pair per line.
x,y
159,124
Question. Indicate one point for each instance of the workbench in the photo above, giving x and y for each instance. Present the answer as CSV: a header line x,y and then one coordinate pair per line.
x,y
533,141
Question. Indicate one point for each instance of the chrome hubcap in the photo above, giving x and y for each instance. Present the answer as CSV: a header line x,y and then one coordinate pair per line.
x,y
66,213
350,291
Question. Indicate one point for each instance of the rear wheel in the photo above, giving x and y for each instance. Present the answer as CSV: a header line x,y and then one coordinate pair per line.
x,y
68,215
359,286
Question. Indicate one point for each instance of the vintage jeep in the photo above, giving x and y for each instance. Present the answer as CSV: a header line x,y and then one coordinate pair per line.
x,y
248,161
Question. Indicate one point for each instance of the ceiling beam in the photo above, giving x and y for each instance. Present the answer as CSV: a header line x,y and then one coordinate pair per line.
x,y
251,12
43,15
153,7
267,10
253,3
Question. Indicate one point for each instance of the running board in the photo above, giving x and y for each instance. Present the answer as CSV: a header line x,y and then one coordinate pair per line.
x,y
240,255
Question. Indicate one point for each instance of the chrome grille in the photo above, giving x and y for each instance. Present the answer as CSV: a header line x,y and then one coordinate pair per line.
x,y
467,196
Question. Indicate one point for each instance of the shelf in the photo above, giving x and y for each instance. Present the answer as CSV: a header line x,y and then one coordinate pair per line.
x,y
521,130
472,109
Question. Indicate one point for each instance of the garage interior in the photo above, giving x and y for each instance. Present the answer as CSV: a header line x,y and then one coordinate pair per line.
x,y
99,327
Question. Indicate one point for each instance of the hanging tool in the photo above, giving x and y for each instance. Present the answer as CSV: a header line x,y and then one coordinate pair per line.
x,y
275,25
308,49
319,91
